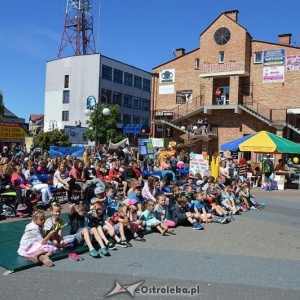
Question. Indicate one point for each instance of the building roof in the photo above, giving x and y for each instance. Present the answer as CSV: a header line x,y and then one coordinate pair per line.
x,y
35,117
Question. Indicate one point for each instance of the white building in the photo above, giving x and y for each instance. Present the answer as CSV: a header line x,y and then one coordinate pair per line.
x,y
71,80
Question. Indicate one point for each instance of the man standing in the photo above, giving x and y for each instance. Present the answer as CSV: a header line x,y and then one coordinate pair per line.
x,y
268,169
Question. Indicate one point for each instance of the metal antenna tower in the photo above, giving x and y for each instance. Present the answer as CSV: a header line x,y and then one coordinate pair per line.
x,y
78,28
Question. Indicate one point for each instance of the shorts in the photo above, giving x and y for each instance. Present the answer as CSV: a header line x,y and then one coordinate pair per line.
x,y
76,238
116,229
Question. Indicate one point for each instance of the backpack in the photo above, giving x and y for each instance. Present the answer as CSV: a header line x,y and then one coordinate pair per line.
x,y
267,167
89,193
8,211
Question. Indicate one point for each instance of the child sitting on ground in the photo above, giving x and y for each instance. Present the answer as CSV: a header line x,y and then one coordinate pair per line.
x,y
137,195
149,216
97,219
81,233
56,223
204,213
120,221
112,205
161,210
228,199
181,216
135,223
34,245
248,200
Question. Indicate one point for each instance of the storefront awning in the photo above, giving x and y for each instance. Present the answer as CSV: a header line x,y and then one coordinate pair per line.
x,y
136,128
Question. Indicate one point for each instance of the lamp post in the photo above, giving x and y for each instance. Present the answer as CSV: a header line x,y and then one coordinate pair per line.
x,y
52,125
92,104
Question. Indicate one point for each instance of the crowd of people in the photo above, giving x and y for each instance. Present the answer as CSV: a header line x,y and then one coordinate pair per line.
x,y
120,198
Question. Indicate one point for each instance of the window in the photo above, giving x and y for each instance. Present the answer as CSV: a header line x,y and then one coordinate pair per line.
x,y
128,79
66,96
146,84
221,57
136,120
137,102
65,115
106,72
126,119
138,82
145,120
106,96
118,76
222,36
258,57
117,98
146,104
127,100
66,85
120,118
159,128
197,64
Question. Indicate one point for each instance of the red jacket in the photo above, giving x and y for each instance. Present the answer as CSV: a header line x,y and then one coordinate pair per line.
x,y
16,180
113,173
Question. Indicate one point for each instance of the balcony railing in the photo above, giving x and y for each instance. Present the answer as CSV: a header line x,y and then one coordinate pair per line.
x,y
178,112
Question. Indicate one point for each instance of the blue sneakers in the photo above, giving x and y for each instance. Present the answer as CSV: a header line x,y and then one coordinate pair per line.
x,y
197,226
94,253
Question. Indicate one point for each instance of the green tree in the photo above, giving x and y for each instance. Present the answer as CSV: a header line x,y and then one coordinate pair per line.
x,y
107,125
1,107
52,138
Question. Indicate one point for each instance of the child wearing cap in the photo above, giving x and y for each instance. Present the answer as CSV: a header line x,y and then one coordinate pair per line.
x,y
99,193
137,195
136,225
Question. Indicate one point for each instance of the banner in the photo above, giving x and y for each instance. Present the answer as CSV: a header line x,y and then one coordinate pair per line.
x,y
122,144
184,96
13,132
145,147
274,57
273,74
198,164
293,62
64,151
158,142
76,134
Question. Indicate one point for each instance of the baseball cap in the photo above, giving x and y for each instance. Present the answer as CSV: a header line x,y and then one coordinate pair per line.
x,y
137,185
132,202
99,190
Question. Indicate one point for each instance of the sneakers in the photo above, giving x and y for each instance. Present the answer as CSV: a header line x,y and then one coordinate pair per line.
x,y
111,245
122,244
140,239
224,220
104,251
94,253
197,226
253,208
231,217
75,256
129,244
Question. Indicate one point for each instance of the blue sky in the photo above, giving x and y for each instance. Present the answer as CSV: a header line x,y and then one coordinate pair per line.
x,y
142,33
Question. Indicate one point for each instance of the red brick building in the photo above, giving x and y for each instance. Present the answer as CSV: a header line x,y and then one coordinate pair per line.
x,y
257,82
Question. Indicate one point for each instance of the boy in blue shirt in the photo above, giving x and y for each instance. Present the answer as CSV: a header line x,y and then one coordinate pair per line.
x,y
112,205
137,195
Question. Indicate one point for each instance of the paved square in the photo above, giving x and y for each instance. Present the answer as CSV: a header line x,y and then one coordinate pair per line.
x,y
255,257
